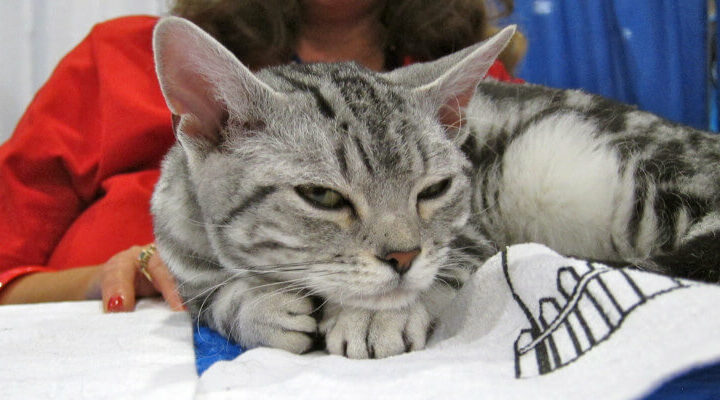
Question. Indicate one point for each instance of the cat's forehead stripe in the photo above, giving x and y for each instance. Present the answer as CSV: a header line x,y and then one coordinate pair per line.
x,y
342,160
363,155
371,130
322,103
370,100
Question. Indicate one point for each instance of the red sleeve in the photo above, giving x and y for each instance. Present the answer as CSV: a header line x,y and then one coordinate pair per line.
x,y
54,165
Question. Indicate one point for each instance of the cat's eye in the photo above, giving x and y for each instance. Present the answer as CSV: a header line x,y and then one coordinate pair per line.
x,y
322,197
435,190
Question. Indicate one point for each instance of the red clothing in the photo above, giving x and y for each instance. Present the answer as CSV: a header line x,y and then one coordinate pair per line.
x,y
77,175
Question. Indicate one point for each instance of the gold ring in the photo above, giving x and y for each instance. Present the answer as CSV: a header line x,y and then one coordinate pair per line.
x,y
145,254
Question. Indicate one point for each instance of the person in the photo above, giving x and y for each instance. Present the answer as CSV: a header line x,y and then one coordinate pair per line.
x,y
77,174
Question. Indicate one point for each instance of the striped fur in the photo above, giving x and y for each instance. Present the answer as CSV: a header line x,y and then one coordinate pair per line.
x,y
594,178
256,259
252,255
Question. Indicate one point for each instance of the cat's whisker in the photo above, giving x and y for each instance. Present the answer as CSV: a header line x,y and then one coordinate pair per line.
x,y
275,267
208,292
267,269
232,277
483,211
288,285
205,259
264,296
302,296
459,249
443,282
217,287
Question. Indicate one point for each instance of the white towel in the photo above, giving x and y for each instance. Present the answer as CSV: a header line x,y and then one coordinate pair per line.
x,y
531,324
74,351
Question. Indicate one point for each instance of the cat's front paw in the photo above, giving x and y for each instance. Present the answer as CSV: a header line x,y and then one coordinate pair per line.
x,y
278,320
361,333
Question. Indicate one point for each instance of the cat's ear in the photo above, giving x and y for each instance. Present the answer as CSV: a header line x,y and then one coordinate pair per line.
x,y
450,81
203,82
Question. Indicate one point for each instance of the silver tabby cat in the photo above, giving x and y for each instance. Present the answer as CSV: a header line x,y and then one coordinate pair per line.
x,y
377,194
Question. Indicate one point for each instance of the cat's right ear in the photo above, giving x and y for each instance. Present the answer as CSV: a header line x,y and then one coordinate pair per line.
x,y
449,82
203,82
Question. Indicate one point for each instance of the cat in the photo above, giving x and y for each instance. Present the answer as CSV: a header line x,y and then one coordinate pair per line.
x,y
327,200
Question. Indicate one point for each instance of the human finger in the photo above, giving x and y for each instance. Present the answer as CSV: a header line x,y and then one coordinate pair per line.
x,y
164,282
118,280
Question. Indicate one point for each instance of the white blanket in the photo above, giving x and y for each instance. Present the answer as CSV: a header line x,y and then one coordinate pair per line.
x,y
530,325
74,351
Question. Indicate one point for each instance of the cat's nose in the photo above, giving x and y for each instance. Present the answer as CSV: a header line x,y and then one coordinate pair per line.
x,y
401,261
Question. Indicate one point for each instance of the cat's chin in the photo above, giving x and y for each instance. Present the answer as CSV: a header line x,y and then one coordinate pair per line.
x,y
396,298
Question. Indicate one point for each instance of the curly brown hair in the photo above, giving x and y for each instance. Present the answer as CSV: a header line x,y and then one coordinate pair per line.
x,y
264,32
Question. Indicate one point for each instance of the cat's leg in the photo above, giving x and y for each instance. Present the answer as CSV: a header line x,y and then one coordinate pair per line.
x,y
697,258
251,311
694,251
257,313
363,333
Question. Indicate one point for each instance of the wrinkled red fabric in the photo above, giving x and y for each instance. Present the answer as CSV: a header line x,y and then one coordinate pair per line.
x,y
77,174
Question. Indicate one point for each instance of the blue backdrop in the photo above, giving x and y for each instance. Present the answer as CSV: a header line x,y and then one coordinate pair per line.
x,y
652,53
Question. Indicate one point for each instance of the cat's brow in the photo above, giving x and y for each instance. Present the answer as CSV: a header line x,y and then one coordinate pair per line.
x,y
257,196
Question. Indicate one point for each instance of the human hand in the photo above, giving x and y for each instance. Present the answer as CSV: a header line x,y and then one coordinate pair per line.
x,y
119,281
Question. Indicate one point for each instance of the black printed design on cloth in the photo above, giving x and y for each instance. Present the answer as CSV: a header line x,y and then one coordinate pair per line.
x,y
590,304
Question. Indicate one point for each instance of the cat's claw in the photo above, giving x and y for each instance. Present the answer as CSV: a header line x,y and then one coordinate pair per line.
x,y
281,321
361,333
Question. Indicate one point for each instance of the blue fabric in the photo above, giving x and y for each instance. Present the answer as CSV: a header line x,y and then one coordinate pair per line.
x,y
211,347
697,384
650,53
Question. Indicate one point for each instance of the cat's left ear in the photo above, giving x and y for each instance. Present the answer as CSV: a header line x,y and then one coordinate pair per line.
x,y
204,84
450,81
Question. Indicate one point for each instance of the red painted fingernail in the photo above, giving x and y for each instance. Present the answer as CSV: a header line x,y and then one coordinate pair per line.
x,y
115,304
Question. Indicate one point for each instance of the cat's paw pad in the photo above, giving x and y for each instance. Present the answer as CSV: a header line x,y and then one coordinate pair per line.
x,y
360,333
278,320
